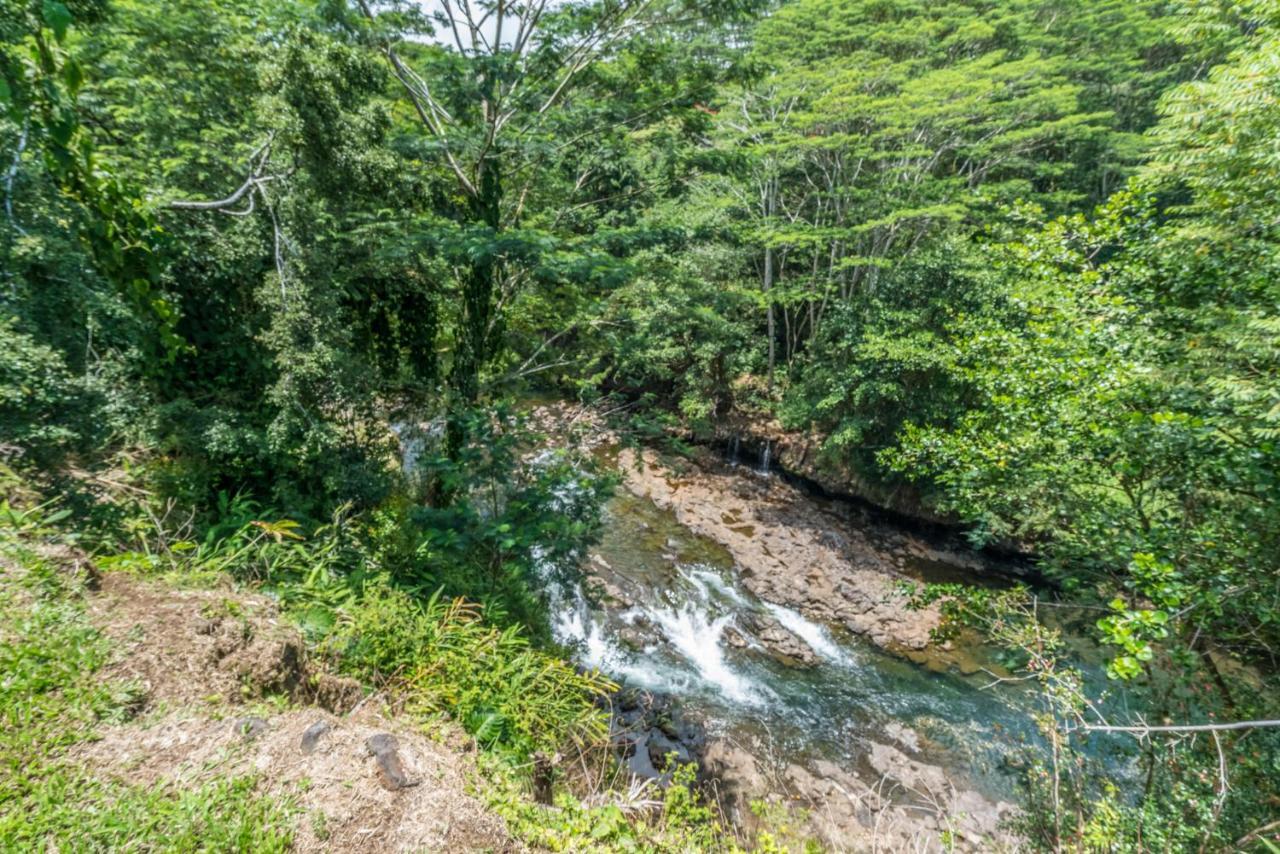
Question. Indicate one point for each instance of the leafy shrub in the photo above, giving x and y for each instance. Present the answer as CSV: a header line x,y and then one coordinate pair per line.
x,y
503,691
492,516
678,338
44,410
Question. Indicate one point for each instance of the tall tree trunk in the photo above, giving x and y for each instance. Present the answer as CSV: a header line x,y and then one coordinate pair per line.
x,y
473,345
770,208
767,286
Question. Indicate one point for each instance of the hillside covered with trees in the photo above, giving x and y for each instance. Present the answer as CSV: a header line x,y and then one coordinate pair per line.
x,y
375,308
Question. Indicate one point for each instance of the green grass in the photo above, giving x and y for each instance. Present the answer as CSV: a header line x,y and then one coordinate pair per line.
x,y
51,698
444,658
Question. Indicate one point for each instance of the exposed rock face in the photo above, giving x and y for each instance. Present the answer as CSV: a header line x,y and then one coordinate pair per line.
x,y
907,807
787,550
801,454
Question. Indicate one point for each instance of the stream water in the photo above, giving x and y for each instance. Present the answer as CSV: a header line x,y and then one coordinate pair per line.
x,y
668,613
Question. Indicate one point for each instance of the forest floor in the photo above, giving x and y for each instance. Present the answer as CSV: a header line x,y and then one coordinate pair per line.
x,y
209,691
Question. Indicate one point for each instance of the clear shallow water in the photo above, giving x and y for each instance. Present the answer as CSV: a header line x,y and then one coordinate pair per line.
x,y
670,616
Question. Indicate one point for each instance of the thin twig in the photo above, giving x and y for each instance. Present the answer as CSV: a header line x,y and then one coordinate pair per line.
x,y
13,173
1144,729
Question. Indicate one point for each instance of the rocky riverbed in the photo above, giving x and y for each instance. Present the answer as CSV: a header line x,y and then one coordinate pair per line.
x,y
788,550
764,632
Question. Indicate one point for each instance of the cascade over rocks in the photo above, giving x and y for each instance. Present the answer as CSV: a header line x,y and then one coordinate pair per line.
x,y
726,582
787,552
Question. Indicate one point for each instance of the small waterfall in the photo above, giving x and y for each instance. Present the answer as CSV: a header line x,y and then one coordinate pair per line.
x,y
815,635
765,457
696,637
733,450
692,630
412,444
416,439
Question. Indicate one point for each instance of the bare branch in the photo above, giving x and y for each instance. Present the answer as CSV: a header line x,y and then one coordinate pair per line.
x,y
1144,729
257,162
406,76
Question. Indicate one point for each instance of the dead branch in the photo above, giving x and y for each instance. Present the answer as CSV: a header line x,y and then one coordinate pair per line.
x,y
1145,730
257,164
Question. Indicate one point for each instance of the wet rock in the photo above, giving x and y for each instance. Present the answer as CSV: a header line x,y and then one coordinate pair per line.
x,y
781,644
312,735
681,730
735,638
645,727
903,736
661,747
607,591
632,638
249,727
640,763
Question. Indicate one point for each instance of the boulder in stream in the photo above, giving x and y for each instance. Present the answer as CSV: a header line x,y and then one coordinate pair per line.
x,y
781,644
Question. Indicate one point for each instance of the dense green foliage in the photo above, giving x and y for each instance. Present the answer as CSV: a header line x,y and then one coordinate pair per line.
x,y
1020,258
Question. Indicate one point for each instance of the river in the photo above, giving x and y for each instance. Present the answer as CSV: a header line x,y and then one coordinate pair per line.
x,y
824,713
773,620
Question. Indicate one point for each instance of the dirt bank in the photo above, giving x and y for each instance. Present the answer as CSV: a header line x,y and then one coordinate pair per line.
x,y
212,667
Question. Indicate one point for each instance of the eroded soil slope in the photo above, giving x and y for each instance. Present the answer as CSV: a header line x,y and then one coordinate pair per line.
x,y
226,688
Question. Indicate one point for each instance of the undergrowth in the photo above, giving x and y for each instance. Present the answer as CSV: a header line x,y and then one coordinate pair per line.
x,y
52,698
445,658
